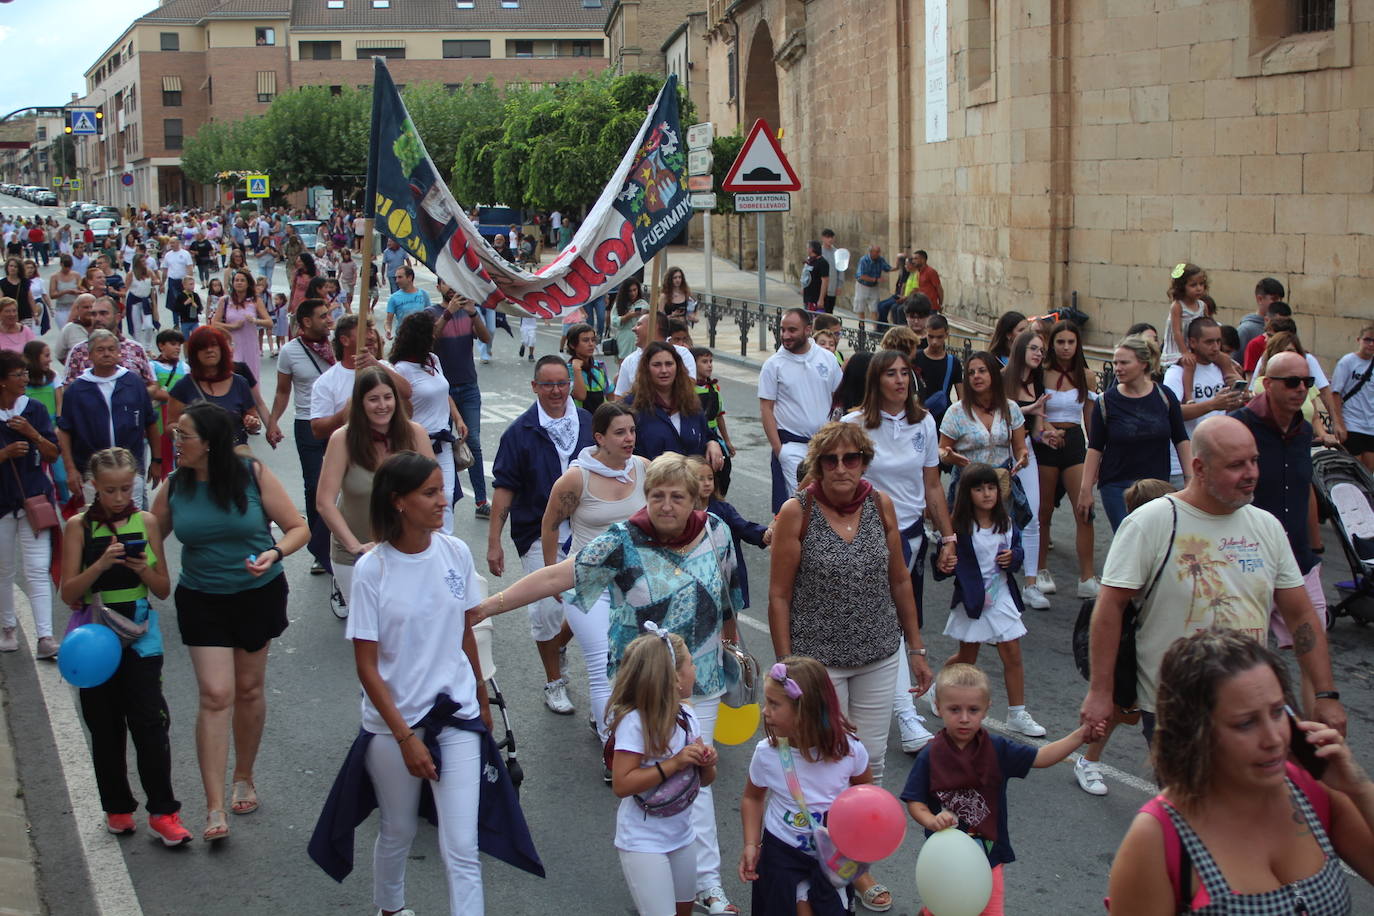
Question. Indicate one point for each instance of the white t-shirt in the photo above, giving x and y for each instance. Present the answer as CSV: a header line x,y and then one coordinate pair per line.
x,y
1207,381
634,831
800,387
1359,410
304,368
331,391
428,395
413,607
556,220
821,783
177,262
901,453
1222,572
626,379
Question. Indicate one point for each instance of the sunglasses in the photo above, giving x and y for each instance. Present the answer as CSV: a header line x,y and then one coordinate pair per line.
x,y
1293,381
851,460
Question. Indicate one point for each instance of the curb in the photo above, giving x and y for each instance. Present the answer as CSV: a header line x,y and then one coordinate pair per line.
x,y
18,869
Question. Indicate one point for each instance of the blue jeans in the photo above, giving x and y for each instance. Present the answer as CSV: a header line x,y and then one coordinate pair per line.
x,y
596,315
1114,500
187,327
311,453
483,351
468,398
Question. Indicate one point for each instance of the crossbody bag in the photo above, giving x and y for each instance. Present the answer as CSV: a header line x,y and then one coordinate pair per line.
x,y
840,870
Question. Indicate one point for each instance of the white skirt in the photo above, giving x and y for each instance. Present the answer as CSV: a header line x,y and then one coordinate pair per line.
x,y
999,622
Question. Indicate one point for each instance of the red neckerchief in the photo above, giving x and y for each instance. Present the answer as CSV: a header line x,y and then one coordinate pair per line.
x,y
967,781
1259,406
98,513
696,522
860,494
381,438
320,348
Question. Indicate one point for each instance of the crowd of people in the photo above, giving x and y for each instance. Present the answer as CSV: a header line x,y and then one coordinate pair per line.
x,y
614,486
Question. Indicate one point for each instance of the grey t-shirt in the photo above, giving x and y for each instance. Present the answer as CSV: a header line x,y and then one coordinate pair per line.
x,y
303,367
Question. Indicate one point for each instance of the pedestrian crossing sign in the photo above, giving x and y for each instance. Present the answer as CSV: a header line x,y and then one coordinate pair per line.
x,y
57,182
74,184
83,121
257,186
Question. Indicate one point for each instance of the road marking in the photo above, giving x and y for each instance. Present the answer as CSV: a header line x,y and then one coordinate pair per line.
x,y
112,888
1111,772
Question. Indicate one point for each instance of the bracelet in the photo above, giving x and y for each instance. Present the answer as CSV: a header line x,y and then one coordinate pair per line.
x,y
501,601
1328,695
662,775
921,652
404,738
281,555
949,539
760,845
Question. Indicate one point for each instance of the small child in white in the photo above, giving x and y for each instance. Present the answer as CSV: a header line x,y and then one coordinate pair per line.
x,y
528,326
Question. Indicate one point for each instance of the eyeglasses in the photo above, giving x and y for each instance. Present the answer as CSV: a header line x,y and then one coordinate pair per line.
x,y
18,373
1367,340
1293,381
554,386
180,436
851,460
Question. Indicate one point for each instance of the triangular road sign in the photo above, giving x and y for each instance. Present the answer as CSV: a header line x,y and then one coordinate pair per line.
x,y
761,165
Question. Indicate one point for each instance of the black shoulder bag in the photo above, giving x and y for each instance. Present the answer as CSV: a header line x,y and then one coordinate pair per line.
x,y
1124,674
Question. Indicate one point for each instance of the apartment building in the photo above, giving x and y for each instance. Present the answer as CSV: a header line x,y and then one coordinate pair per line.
x,y
191,61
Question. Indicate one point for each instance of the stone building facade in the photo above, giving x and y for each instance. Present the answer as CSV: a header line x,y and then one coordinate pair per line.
x,y
1090,145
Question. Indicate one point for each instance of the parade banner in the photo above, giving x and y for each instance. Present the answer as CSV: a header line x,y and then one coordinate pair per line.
x,y
643,207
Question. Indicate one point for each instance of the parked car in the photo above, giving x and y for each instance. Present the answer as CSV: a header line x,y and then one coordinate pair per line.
x,y
497,220
86,212
102,227
45,198
308,230
74,208
106,213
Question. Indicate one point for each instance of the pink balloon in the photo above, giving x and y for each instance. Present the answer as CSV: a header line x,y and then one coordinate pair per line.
x,y
867,823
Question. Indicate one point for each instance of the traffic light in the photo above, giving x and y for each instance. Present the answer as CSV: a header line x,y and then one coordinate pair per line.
x,y
67,128
100,121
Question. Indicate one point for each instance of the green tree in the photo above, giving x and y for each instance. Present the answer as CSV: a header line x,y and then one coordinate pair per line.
x,y
310,136
221,146
479,110
723,153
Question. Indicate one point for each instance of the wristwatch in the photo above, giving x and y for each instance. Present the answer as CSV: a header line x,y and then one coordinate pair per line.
x,y
1328,694
920,652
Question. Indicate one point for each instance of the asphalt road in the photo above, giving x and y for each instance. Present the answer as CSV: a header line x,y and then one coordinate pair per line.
x,y
1065,839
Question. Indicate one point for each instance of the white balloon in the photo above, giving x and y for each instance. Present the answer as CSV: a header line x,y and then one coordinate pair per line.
x,y
953,875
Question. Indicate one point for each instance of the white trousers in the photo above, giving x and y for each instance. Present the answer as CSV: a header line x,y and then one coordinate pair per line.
x,y
398,799
658,880
546,614
706,844
591,628
19,545
443,453
1030,535
865,696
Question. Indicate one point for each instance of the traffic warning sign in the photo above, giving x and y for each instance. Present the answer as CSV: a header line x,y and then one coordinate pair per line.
x,y
761,165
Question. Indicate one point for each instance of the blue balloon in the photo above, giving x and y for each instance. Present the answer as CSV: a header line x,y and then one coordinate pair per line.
x,y
90,655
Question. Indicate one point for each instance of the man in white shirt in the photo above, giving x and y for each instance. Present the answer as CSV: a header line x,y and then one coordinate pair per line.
x,y
630,365
332,391
1207,392
796,387
176,265
1351,383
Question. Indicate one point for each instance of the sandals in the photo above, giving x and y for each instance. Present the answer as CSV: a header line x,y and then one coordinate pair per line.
x,y
244,798
867,897
216,826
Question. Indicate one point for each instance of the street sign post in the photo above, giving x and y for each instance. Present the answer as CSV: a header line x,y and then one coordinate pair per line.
x,y
703,201
74,184
761,169
57,181
258,186
763,203
699,139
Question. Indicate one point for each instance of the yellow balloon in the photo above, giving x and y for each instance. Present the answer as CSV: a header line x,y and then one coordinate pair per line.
x,y
736,725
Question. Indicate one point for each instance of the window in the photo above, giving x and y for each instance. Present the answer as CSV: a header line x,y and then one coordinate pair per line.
x,y
321,50
335,4
210,90
267,85
336,90
731,76
583,48
977,61
170,41
265,36
381,4
463,4
591,4
171,133
388,53
1314,15
510,4
519,49
466,48
42,133
452,87
171,99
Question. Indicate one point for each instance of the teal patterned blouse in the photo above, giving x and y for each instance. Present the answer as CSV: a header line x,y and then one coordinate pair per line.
x,y
691,596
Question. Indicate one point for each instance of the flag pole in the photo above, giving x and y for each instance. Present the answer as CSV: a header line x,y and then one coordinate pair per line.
x,y
369,217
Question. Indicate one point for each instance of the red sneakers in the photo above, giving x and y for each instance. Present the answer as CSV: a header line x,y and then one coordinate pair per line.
x,y
119,824
168,828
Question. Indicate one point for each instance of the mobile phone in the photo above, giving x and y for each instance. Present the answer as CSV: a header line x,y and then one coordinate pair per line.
x,y
1238,386
1302,750
134,548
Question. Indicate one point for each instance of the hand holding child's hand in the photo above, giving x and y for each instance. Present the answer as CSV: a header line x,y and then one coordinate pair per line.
x,y
749,863
944,819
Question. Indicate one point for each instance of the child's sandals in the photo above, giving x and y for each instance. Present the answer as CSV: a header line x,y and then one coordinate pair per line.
x,y
216,826
244,798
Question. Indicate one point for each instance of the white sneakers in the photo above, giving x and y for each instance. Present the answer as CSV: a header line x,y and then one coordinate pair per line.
x,y
1087,588
914,735
556,697
1089,776
1020,721
1045,582
47,648
1034,596
8,641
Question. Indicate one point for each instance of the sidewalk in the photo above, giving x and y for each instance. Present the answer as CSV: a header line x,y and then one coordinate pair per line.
x,y
18,875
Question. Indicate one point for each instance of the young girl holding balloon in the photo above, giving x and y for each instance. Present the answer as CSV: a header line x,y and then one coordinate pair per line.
x,y
112,555
811,754
960,779
658,764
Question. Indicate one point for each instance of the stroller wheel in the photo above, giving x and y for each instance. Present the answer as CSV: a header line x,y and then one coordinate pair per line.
x,y
337,603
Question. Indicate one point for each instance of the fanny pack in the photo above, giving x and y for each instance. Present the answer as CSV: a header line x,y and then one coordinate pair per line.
x,y
676,793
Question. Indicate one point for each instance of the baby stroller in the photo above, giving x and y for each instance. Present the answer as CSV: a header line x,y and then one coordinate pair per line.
x,y
1345,493
482,632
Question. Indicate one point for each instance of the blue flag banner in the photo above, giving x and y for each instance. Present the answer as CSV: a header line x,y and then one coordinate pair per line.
x,y
644,205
